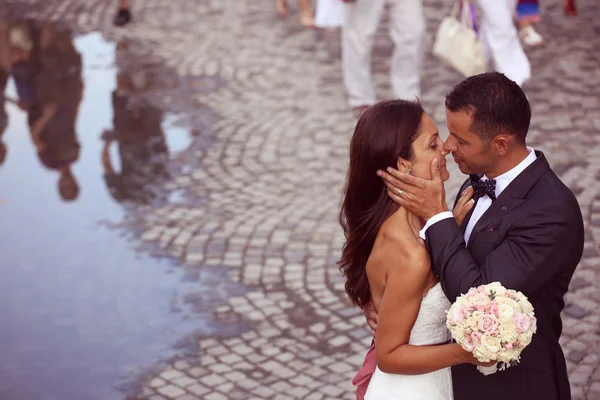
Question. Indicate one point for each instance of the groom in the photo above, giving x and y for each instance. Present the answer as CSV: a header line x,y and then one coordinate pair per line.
x,y
524,230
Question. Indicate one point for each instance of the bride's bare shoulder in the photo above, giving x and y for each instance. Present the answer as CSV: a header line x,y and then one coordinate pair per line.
x,y
396,247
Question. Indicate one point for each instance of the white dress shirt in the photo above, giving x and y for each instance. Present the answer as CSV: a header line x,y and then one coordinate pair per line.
x,y
484,202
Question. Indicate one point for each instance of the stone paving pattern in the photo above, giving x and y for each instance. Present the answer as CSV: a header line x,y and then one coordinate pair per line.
x,y
260,196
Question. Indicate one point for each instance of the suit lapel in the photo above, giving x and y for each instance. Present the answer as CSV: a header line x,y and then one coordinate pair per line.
x,y
511,197
499,208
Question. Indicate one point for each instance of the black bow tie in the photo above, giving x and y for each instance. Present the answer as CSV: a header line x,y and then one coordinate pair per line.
x,y
482,187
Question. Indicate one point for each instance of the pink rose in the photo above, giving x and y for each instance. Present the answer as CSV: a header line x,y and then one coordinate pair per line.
x,y
522,322
472,292
494,309
480,308
468,331
508,346
458,315
472,341
475,338
481,289
487,324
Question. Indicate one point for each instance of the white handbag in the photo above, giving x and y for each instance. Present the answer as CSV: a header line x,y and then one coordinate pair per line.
x,y
457,42
330,14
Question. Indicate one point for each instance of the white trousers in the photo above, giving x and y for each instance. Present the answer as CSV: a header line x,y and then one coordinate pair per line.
x,y
501,40
407,27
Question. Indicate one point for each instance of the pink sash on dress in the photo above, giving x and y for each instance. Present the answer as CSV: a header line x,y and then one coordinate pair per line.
x,y
363,377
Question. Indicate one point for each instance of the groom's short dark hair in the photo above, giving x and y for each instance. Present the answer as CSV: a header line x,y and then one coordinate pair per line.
x,y
496,104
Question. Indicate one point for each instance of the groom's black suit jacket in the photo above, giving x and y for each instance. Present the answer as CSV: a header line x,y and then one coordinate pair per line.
x,y
530,239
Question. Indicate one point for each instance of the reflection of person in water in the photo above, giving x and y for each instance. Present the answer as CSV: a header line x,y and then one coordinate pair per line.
x,y
50,89
3,115
123,16
138,133
5,61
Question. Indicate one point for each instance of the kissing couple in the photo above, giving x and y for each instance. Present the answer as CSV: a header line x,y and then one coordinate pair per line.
x,y
407,257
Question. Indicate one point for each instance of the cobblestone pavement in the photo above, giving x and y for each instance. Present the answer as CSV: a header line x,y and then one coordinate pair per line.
x,y
260,190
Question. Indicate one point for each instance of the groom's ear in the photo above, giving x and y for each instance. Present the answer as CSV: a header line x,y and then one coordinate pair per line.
x,y
502,144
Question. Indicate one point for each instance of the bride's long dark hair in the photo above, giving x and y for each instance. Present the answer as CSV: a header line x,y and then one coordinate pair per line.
x,y
383,133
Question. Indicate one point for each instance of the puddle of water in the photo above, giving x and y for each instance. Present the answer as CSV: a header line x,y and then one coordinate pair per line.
x,y
178,138
80,308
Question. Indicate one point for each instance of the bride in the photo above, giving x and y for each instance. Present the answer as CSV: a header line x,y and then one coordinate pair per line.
x,y
412,344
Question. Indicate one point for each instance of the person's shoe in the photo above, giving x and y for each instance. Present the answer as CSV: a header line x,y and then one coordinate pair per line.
x,y
359,110
530,37
123,17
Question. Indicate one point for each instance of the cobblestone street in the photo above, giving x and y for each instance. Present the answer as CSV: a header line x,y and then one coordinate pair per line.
x,y
255,197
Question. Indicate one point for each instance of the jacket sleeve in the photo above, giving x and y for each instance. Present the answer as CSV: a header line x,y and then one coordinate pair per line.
x,y
535,249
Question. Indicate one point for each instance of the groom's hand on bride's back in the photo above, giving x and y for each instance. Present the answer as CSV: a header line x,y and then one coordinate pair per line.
x,y
371,316
423,198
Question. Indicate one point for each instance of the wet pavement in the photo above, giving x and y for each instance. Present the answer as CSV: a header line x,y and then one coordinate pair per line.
x,y
198,260
84,308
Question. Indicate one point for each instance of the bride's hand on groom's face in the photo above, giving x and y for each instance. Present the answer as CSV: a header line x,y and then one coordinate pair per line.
x,y
464,205
423,198
371,316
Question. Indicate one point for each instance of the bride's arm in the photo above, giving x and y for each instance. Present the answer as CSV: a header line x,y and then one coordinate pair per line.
x,y
400,304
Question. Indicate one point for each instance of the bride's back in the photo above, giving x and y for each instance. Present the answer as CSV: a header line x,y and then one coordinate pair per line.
x,y
396,236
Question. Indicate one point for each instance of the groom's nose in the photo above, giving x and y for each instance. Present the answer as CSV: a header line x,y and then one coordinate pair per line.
x,y
449,145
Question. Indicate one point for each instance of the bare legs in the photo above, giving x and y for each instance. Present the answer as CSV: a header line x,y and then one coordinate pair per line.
x,y
307,18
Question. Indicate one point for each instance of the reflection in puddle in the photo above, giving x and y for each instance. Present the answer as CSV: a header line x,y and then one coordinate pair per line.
x,y
80,308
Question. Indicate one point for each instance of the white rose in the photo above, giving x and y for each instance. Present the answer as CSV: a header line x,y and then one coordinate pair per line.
x,y
483,354
507,301
497,287
525,339
491,343
506,312
508,332
480,299
509,355
473,320
526,306
457,332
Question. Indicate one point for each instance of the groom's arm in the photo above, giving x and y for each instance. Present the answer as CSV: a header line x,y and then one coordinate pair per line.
x,y
535,249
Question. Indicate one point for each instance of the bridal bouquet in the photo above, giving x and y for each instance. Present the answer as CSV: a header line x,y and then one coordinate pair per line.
x,y
493,323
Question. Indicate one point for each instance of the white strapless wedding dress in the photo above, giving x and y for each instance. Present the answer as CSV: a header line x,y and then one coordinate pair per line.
x,y
429,328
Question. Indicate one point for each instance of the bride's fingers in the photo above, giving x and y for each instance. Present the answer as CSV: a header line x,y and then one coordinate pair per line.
x,y
465,198
464,205
461,213
466,195
463,210
467,207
